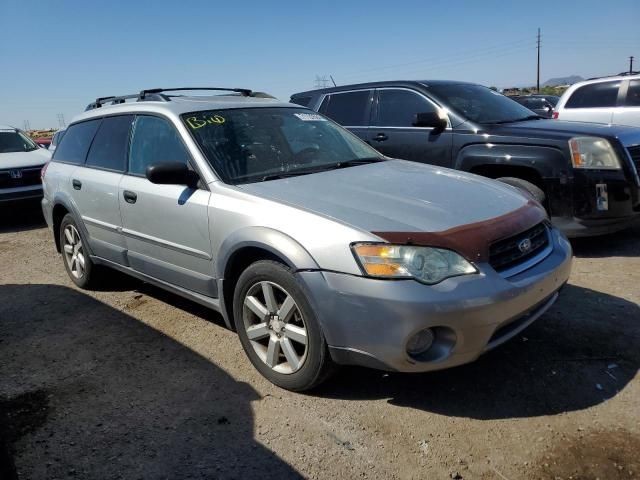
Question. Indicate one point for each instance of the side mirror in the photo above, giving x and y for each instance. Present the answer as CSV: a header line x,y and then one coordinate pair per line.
x,y
172,173
431,120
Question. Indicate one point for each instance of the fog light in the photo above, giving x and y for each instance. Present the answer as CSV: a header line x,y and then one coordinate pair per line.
x,y
420,342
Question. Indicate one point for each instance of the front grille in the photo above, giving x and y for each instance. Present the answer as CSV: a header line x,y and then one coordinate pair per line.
x,y
634,152
507,253
26,177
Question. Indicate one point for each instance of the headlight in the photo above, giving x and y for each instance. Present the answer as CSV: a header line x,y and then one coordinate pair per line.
x,y
593,153
425,264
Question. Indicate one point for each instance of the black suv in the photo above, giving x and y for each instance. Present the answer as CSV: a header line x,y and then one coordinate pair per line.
x,y
586,175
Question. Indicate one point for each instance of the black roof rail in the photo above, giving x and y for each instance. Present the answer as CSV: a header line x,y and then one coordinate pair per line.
x,y
243,91
152,94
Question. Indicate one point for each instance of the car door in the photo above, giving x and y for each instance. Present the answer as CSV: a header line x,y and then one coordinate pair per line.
x,y
629,111
393,134
593,102
351,109
166,227
94,184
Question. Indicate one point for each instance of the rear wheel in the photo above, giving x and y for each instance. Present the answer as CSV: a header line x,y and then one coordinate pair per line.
x,y
278,329
74,253
533,190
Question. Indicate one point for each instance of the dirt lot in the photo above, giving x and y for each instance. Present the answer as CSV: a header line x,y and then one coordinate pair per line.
x,y
131,382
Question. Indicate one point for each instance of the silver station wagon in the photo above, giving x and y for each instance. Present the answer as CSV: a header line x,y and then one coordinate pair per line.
x,y
314,247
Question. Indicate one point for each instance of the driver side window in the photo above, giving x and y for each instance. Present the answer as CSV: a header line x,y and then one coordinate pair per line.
x,y
154,140
398,108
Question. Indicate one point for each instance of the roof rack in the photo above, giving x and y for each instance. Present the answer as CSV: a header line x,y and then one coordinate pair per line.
x,y
621,74
156,94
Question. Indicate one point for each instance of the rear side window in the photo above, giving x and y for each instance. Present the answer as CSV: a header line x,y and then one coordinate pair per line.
x,y
595,95
348,108
398,108
74,145
304,101
633,94
154,140
109,147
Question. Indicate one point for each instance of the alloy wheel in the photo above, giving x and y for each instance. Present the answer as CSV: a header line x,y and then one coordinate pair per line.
x,y
73,251
275,327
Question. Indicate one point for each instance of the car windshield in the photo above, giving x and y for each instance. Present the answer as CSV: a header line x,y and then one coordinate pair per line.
x,y
257,144
14,141
480,104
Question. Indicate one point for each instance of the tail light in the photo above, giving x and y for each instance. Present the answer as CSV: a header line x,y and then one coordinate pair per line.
x,y
43,171
555,115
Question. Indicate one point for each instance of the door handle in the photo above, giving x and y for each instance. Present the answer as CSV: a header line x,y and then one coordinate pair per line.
x,y
129,196
381,137
77,184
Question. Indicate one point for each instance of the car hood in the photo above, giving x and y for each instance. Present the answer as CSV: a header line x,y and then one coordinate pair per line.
x,y
395,195
34,158
560,129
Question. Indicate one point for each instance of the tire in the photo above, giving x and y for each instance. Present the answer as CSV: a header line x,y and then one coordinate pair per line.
x,y
75,257
288,349
536,192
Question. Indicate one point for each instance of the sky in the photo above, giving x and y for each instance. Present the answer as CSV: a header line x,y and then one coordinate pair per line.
x,y
56,57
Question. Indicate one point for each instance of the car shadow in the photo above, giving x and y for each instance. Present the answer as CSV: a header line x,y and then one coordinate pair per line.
x,y
21,216
620,244
579,354
87,391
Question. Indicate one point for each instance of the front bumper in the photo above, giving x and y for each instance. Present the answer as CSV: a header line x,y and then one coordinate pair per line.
x,y
580,211
20,193
369,321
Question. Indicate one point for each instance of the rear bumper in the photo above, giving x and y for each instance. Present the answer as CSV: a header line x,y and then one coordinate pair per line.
x,y
20,193
47,212
368,322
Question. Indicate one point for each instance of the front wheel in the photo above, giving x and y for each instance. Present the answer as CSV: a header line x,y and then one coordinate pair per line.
x,y
278,329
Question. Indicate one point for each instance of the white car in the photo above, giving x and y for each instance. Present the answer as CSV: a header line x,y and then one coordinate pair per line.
x,y
602,100
21,161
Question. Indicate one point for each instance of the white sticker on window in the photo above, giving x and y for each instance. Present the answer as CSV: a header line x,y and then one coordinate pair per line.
x,y
310,117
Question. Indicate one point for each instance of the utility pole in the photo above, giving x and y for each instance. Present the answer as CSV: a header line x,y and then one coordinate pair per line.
x,y
61,121
630,65
27,126
538,76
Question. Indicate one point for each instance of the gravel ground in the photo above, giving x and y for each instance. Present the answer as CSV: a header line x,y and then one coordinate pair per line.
x,y
132,382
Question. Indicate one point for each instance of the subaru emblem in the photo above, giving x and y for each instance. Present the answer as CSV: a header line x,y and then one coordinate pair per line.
x,y
524,245
15,174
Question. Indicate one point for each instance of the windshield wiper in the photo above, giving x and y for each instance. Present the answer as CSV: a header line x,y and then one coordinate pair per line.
x,y
323,168
523,119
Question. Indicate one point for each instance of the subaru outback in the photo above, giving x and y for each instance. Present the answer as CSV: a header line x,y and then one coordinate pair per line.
x,y
314,247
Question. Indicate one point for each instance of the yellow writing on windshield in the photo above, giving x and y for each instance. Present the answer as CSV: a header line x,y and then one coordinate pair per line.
x,y
195,122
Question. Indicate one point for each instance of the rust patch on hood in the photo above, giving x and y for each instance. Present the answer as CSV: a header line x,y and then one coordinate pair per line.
x,y
473,239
